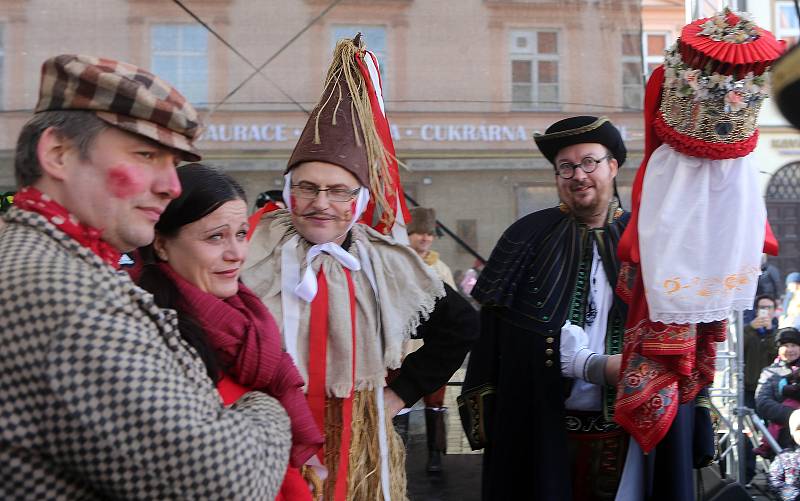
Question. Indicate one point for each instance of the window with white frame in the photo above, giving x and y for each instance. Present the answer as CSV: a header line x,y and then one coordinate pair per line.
x,y
179,55
653,46
631,60
786,24
533,56
374,38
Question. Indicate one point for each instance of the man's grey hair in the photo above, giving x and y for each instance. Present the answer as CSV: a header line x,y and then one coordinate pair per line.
x,y
76,126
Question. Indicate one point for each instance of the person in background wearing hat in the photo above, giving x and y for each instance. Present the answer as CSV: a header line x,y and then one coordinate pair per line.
x,y
421,232
101,397
347,297
778,392
267,201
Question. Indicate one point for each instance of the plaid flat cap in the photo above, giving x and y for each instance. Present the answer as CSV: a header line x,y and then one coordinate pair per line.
x,y
123,95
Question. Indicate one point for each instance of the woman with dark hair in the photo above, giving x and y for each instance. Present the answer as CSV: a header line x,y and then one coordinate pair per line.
x,y
193,268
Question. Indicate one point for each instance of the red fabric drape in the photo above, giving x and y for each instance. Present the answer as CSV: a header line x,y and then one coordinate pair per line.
x,y
393,188
33,200
317,368
255,217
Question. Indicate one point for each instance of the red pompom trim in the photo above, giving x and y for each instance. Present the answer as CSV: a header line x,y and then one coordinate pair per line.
x,y
702,149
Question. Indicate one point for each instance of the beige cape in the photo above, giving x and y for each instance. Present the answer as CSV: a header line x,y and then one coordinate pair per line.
x,y
407,290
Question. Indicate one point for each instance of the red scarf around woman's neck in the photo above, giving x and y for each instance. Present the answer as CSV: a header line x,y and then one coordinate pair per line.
x,y
247,342
33,200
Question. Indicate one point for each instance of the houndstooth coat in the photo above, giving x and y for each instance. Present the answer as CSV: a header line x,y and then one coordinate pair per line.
x,y
101,398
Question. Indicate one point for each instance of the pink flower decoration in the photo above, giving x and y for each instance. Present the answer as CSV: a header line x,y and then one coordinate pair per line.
x,y
735,101
692,78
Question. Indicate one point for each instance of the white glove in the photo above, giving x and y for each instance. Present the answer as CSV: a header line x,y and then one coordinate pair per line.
x,y
575,352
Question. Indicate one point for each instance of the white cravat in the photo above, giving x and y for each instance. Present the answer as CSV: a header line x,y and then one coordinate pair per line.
x,y
307,288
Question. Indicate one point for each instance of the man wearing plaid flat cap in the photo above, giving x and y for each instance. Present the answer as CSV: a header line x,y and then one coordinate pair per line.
x,y
100,396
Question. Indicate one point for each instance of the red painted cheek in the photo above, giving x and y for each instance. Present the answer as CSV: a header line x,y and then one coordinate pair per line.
x,y
126,181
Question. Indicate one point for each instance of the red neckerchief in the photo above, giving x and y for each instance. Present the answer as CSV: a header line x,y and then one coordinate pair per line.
x,y
33,200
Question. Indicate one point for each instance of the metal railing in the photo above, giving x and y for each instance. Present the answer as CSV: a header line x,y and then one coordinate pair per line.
x,y
740,427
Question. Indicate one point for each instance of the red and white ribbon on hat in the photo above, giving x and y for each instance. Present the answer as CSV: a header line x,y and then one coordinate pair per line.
x,y
368,65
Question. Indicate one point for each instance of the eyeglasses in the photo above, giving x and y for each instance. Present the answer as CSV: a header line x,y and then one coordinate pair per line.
x,y
566,170
311,191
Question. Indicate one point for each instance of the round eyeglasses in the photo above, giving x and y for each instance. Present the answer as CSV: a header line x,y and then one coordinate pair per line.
x,y
336,194
566,170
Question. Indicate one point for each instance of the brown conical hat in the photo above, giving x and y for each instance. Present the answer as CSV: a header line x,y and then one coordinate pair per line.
x,y
341,128
333,134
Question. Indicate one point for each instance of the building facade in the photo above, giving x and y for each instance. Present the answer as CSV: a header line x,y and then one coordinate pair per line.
x,y
467,83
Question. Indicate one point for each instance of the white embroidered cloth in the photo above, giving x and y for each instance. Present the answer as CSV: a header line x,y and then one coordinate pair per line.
x,y
701,231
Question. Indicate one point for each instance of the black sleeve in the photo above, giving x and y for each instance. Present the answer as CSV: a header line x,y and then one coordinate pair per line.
x,y
768,402
448,333
476,403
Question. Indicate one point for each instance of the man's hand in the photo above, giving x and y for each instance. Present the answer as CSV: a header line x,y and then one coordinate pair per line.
x,y
761,323
392,402
612,369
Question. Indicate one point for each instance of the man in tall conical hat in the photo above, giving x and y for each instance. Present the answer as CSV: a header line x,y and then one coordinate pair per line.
x,y
347,296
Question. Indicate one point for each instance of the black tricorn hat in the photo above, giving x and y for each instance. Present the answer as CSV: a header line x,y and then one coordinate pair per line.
x,y
786,85
578,130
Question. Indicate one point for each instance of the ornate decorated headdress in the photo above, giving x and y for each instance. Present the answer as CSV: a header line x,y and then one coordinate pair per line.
x,y
348,128
714,83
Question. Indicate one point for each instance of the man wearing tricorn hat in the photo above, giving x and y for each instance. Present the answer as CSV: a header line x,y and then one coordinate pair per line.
x,y
348,297
549,311
101,397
